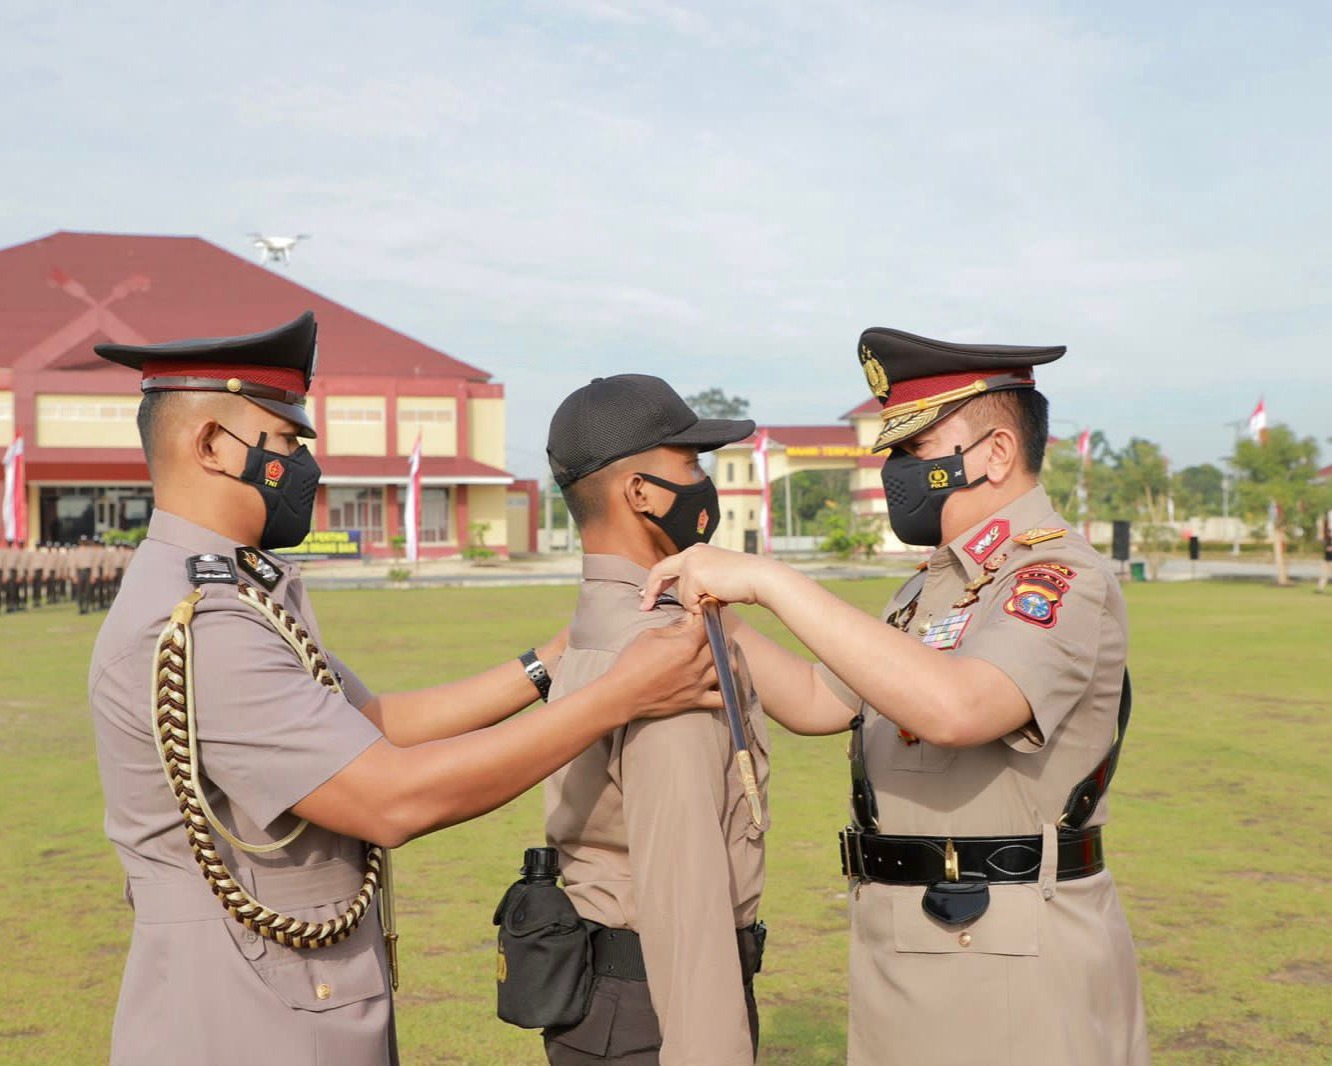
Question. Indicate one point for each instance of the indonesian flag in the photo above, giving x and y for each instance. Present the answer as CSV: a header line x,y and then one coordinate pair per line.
x,y
1258,422
1084,445
412,511
16,494
761,443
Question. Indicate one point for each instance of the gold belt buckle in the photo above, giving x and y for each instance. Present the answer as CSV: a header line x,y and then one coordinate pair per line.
x,y
952,871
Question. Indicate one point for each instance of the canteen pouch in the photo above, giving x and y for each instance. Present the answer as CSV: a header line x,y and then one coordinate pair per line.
x,y
544,975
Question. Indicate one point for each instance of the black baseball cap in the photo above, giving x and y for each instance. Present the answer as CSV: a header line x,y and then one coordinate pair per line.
x,y
626,414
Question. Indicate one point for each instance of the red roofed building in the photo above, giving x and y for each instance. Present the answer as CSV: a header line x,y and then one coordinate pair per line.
x,y
375,391
791,450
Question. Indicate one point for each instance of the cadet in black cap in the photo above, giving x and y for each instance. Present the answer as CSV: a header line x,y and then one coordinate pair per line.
x,y
655,841
209,664
986,721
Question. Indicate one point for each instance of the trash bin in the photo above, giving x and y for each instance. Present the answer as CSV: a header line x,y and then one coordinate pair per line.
x,y
1138,571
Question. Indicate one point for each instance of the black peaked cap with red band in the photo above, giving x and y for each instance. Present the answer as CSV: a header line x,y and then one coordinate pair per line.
x,y
919,380
272,369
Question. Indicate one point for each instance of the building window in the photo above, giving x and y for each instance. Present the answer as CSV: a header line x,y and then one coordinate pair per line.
x,y
340,416
353,508
422,415
730,473
434,514
751,471
730,516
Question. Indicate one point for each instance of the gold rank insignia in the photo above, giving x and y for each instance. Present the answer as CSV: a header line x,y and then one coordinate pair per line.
x,y
875,374
1039,535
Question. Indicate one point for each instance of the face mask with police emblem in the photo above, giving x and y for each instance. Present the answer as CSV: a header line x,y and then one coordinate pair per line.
x,y
916,490
693,517
287,484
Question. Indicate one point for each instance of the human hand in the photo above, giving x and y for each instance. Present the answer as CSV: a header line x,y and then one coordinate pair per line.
x,y
669,669
731,577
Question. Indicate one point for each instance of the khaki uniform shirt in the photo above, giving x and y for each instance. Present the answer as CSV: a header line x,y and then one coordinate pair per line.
x,y
198,986
654,833
1048,973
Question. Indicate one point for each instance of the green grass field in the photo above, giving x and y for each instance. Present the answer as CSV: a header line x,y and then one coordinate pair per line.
x,y
1220,838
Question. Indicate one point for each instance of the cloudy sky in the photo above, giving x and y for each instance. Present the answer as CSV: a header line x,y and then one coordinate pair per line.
x,y
727,193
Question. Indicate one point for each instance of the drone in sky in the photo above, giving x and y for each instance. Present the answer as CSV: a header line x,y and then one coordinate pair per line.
x,y
276,249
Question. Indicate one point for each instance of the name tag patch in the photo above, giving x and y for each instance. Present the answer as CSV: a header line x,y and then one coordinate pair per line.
x,y
947,632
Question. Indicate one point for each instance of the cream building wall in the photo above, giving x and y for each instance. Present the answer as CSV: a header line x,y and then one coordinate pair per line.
x,y
6,418
487,503
75,421
354,425
435,418
485,430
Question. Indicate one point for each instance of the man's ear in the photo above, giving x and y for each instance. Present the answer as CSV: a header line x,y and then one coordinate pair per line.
x,y
635,494
1005,456
203,445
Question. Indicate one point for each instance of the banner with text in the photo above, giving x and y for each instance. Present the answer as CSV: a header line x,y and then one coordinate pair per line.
x,y
334,544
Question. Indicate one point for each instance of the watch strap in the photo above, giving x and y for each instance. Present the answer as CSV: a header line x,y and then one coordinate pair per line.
x,y
536,672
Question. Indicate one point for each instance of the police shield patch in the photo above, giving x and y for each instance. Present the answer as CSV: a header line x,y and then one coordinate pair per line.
x,y
1037,593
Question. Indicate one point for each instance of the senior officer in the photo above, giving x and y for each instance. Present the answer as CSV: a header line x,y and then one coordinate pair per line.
x,y
255,932
984,926
660,853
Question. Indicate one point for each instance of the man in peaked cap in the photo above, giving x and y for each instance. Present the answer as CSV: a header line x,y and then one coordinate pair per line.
x,y
207,683
659,851
986,718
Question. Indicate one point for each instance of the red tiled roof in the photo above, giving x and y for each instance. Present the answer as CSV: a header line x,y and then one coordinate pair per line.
x,y
807,436
869,407
63,293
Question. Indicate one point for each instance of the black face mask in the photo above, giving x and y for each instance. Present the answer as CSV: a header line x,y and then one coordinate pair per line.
x,y
916,490
693,517
287,484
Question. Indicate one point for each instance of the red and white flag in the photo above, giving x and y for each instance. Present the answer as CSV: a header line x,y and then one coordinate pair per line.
x,y
16,494
1084,446
412,510
761,443
1258,422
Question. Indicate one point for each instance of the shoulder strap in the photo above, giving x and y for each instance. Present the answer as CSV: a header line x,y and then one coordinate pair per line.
x,y
864,807
1087,793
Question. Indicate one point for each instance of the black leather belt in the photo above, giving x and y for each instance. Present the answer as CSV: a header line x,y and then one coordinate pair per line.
x,y
619,952
892,860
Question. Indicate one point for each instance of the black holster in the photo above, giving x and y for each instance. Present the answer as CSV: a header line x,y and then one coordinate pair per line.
x,y
545,958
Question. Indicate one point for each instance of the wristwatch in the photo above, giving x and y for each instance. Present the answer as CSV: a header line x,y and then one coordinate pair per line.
x,y
536,671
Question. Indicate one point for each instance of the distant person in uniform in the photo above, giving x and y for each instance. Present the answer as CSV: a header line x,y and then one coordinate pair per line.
x,y
213,644
8,578
82,562
985,927
658,850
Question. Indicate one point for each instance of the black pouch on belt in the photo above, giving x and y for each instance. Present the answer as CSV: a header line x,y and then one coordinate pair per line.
x,y
545,954
956,902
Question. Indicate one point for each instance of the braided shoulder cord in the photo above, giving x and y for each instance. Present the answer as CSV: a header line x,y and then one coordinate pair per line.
x,y
177,746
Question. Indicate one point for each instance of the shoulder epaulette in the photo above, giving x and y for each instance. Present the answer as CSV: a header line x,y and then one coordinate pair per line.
x,y
210,570
1039,535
